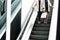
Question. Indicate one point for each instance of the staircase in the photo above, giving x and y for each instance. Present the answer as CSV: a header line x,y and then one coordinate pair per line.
x,y
40,31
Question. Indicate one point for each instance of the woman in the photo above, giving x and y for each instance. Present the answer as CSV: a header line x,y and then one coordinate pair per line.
x,y
42,6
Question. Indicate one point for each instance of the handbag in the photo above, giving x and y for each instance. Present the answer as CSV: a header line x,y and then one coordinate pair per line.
x,y
44,15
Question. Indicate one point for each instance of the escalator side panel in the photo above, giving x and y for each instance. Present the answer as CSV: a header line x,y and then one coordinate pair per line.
x,y
16,26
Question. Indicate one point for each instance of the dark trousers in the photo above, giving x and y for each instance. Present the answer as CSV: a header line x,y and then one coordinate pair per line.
x,y
39,15
46,6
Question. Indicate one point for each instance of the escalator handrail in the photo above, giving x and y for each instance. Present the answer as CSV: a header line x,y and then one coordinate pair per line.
x,y
23,30
30,26
26,22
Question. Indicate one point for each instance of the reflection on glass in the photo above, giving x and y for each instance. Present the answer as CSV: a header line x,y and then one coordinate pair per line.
x,y
3,11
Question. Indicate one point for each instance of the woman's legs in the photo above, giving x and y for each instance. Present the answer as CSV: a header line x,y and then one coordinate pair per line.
x,y
46,20
39,17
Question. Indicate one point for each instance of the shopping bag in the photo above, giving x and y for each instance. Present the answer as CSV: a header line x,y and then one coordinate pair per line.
x,y
44,15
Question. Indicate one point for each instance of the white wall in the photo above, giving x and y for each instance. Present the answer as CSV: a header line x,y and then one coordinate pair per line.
x,y
26,5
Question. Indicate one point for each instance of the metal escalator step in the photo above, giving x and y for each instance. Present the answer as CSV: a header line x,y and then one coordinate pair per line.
x,y
41,28
32,39
42,19
49,20
38,37
43,22
40,32
42,25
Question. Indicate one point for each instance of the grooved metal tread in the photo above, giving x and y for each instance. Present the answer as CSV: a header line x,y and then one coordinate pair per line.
x,y
41,25
38,37
41,28
40,33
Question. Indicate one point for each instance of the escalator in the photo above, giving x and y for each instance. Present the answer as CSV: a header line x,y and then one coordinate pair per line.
x,y
40,31
37,31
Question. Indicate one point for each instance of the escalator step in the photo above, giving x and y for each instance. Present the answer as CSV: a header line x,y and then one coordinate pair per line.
x,y
38,37
41,25
32,39
41,28
49,20
40,32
